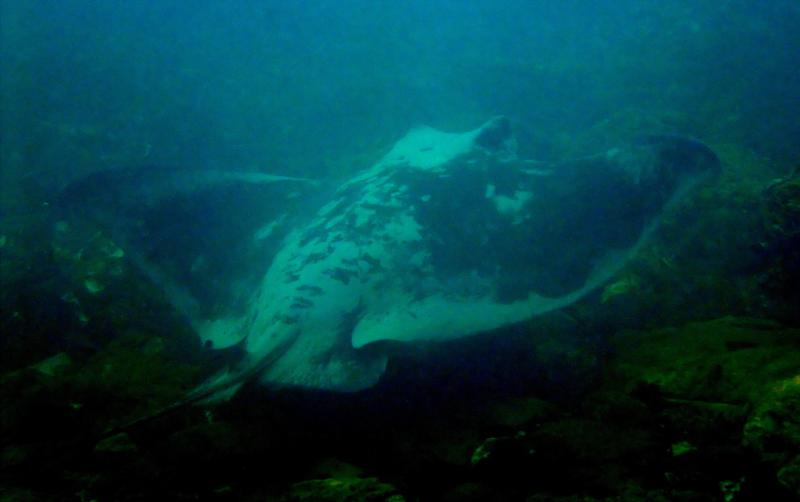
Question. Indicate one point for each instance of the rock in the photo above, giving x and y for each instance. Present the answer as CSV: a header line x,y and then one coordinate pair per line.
x,y
789,476
130,378
54,365
623,287
617,407
452,446
204,445
121,475
780,271
33,408
117,444
508,456
591,441
773,429
9,494
93,286
682,448
592,454
518,412
334,468
726,394
15,456
728,360
470,492
123,471
342,490
782,208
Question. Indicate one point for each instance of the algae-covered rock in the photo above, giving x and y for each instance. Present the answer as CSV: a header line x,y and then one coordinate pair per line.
x,y
203,445
727,393
782,210
780,271
33,409
773,429
588,441
117,444
335,468
54,365
518,412
440,445
617,407
122,469
732,249
682,448
598,457
470,492
131,377
502,454
728,360
789,476
342,490
625,286
10,494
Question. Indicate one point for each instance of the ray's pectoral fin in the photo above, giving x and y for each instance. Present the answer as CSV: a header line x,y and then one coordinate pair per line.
x,y
314,362
204,237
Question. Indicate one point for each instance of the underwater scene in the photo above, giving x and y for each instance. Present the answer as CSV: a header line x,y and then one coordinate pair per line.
x,y
370,250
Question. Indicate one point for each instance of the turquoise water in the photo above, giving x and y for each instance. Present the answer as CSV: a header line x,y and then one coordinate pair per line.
x,y
321,87
323,191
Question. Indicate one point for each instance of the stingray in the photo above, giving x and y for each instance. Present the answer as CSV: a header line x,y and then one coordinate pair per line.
x,y
448,235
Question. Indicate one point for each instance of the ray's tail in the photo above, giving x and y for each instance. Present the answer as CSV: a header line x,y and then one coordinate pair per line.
x,y
216,389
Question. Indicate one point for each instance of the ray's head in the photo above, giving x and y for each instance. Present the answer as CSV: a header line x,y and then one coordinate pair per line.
x,y
670,161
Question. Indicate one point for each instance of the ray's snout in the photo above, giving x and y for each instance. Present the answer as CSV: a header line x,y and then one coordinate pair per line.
x,y
684,155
